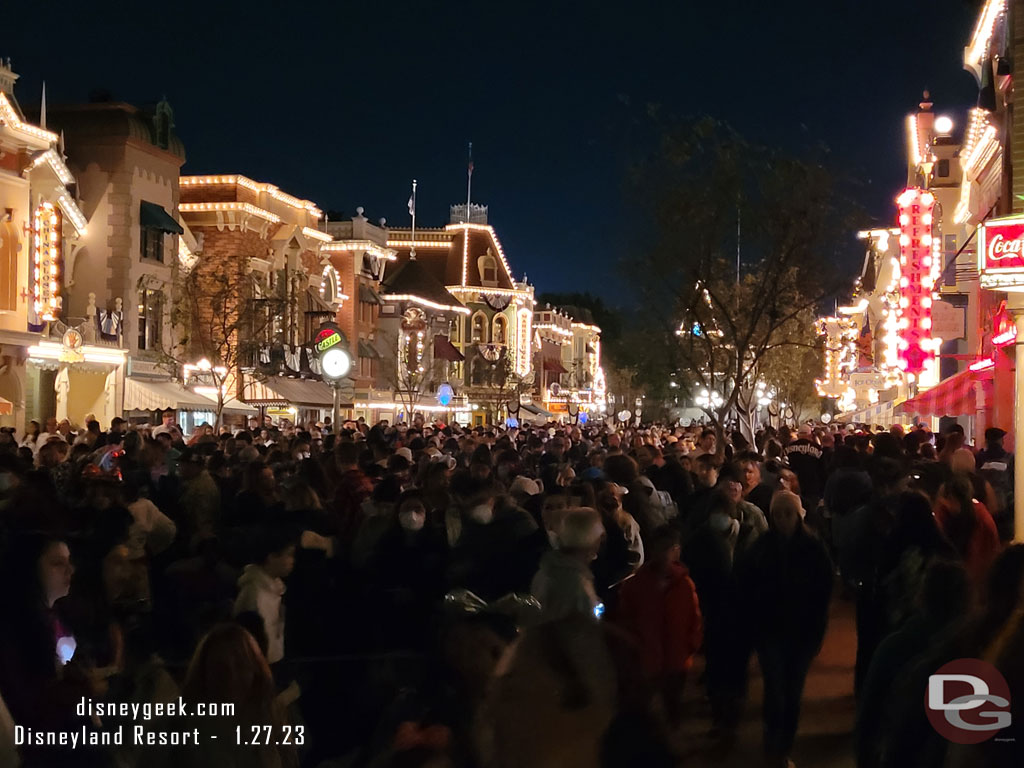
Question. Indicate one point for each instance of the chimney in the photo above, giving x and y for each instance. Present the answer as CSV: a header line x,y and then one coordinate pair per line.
x,y
7,77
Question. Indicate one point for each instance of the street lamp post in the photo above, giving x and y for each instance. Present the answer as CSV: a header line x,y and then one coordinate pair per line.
x,y
335,363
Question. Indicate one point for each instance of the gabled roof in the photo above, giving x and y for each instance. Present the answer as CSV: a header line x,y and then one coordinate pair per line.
x,y
415,279
33,136
452,254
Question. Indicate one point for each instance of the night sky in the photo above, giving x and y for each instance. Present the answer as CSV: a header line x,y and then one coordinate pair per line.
x,y
344,103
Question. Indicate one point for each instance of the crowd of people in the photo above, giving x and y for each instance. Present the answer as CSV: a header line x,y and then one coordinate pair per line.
x,y
436,595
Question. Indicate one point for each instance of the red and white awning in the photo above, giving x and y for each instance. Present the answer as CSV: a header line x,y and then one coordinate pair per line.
x,y
955,396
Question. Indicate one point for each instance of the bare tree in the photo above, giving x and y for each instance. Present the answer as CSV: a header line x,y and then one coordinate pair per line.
x,y
220,316
409,367
495,383
743,239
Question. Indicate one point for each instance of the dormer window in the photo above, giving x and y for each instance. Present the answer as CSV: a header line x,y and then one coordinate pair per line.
x,y
488,267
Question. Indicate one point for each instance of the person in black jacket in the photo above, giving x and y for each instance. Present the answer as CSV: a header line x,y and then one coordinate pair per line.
x,y
496,545
786,582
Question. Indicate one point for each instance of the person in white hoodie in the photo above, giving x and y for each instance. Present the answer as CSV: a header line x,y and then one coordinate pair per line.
x,y
261,588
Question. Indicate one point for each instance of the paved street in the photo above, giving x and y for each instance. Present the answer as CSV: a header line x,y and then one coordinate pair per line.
x,y
826,720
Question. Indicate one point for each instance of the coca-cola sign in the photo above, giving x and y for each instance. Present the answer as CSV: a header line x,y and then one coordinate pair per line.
x,y
1001,245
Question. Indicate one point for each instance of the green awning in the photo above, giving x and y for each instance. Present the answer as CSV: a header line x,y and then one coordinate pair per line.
x,y
153,216
368,350
368,296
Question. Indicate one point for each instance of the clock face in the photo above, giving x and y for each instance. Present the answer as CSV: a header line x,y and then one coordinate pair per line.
x,y
335,363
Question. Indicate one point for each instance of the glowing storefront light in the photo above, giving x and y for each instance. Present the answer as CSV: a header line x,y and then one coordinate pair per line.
x,y
524,334
45,261
840,351
917,266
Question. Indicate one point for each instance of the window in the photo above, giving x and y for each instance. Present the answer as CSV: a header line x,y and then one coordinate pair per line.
x,y
488,267
8,265
152,244
943,170
329,285
151,318
479,328
499,334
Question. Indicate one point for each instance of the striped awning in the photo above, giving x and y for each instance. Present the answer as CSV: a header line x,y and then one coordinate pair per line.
x,y
284,392
880,414
955,396
160,395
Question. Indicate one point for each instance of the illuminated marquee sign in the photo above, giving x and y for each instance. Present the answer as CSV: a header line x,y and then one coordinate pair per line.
x,y
916,347
524,333
1001,254
328,336
46,258
840,345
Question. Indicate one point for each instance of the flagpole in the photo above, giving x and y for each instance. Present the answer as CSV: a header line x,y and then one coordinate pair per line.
x,y
469,181
412,210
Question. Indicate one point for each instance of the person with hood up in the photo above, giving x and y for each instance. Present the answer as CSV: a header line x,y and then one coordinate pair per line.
x,y
564,584
658,606
261,587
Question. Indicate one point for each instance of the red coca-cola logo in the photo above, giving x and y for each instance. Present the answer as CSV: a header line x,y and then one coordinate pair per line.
x,y
1004,246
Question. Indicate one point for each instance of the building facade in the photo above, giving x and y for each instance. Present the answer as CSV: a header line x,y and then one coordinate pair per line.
x,y
358,258
120,278
495,337
52,362
259,271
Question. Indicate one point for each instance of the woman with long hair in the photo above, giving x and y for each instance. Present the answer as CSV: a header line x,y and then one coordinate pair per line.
x,y
229,668
968,525
41,674
31,436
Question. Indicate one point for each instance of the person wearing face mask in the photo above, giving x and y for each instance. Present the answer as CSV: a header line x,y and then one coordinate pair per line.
x,y
495,544
300,451
405,573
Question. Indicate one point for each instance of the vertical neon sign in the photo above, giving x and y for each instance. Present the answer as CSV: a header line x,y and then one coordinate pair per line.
x,y
45,257
915,345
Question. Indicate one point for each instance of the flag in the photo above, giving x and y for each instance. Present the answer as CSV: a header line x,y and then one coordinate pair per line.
x,y
471,158
412,205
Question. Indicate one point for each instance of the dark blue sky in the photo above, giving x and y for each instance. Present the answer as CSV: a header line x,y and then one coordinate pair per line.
x,y
344,103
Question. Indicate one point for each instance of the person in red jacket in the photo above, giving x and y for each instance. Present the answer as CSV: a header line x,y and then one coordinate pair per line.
x,y
658,606
968,525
